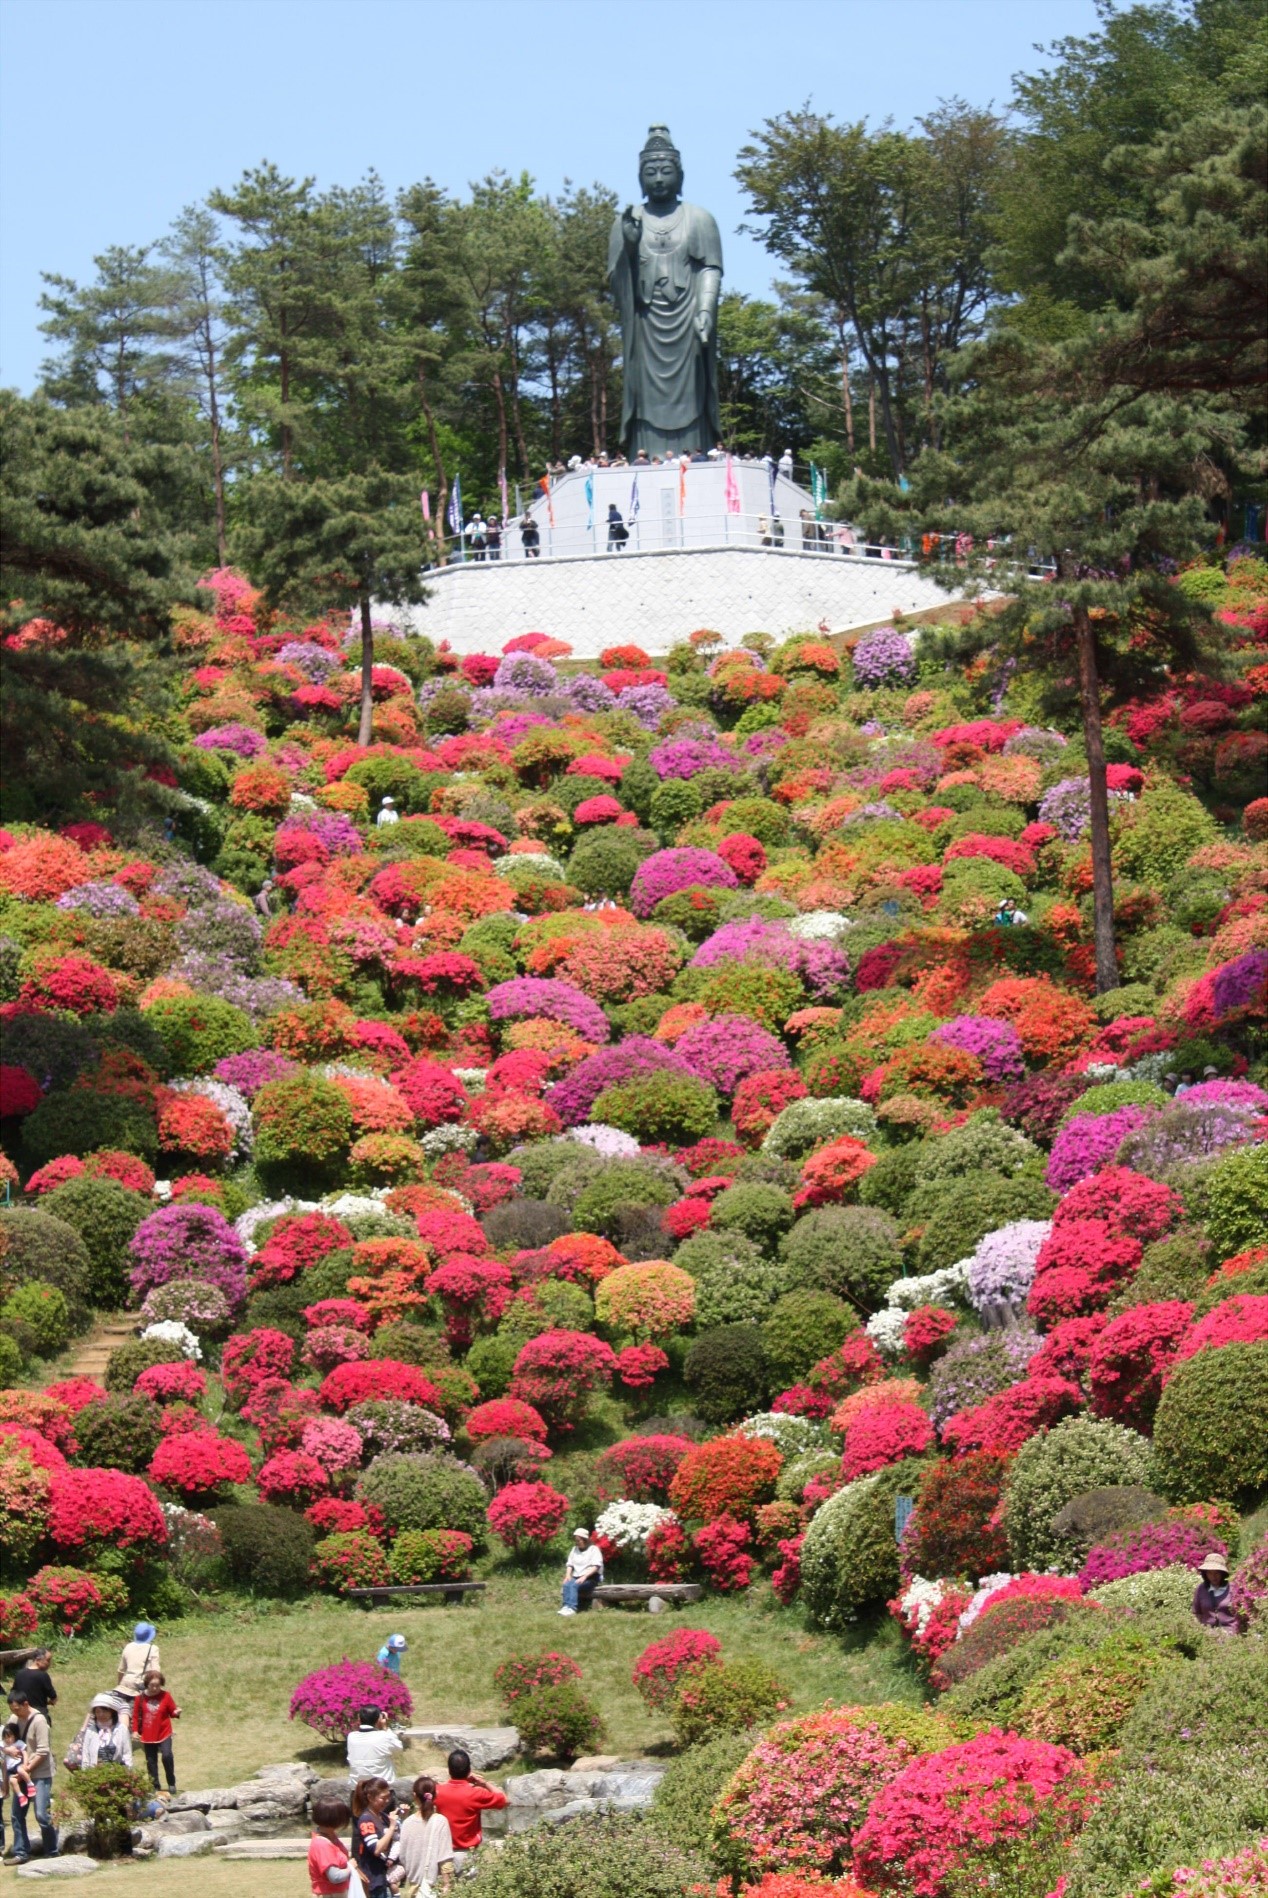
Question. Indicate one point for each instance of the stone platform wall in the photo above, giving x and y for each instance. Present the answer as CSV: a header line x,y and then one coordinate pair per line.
x,y
655,599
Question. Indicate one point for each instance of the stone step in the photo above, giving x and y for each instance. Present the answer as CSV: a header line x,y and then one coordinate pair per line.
x,y
264,1849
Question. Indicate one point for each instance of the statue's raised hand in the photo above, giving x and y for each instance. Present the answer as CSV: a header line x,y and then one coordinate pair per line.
x,y
631,227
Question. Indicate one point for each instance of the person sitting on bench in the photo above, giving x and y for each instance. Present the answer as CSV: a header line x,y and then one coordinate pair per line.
x,y
583,1571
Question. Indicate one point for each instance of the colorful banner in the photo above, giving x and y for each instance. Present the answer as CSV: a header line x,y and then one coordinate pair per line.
x,y
426,503
732,488
455,506
502,489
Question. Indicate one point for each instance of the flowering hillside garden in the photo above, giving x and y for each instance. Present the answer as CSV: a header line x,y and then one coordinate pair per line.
x,y
676,1098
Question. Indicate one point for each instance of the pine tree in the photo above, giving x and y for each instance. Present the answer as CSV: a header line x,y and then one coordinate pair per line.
x,y
197,334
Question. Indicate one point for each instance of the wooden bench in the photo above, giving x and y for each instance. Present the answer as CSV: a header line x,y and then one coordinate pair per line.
x,y
448,1591
618,1594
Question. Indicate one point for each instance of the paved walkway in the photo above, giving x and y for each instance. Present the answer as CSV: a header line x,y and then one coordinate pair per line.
x,y
92,1353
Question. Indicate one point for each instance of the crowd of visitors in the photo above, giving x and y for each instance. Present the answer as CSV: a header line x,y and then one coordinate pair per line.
x,y
396,1849
137,1710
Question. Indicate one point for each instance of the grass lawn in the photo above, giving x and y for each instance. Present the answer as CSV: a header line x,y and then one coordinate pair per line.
x,y
204,1877
233,1672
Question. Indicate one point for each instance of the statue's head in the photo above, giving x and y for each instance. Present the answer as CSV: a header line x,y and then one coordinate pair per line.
x,y
660,167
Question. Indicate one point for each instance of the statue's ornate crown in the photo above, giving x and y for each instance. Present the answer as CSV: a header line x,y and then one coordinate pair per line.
x,y
658,140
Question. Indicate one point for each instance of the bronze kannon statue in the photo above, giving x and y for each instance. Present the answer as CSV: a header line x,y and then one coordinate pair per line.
x,y
665,267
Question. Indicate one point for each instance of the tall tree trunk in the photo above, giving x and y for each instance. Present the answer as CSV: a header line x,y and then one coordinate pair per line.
x,y
217,462
438,460
367,671
284,368
871,413
603,404
596,444
1102,870
847,401
515,406
499,396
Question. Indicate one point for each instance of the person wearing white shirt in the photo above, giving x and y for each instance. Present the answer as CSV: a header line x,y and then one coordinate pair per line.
x,y
388,813
427,1851
371,1747
583,1571
786,464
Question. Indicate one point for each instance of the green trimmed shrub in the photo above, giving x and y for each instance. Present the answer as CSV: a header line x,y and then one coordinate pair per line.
x,y
729,1697
984,1144
806,1124
1099,1513
610,1855
268,1550
1211,1425
758,817
1081,1454
725,1370
82,1121
683,1801
659,1109
616,1189
1175,1267
760,1212
891,1182
1152,1818
36,1316
1237,1201
44,1248
803,1327
127,1361
425,1490
557,1722
849,1559
851,1251
673,804
105,1215
199,1030
956,1213
123,1432
603,864
10,1359
735,1284
301,1121
1155,1591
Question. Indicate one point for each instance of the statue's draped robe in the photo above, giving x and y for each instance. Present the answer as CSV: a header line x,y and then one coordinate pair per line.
x,y
670,402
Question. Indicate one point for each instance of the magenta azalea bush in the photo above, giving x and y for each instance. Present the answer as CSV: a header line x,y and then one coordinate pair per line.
x,y
330,1699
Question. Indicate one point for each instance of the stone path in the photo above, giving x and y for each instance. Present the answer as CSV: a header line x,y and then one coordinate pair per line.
x,y
93,1352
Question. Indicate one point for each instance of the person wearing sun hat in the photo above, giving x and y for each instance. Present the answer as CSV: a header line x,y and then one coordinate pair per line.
x,y
389,1655
139,1658
1211,1598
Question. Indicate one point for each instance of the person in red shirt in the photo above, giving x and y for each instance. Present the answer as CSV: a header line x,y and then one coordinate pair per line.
x,y
461,1800
327,1854
153,1712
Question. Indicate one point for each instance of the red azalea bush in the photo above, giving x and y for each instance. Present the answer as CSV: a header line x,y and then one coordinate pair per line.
x,y
350,1384
831,1176
660,1667
669,1556
639,1469
1067,1350
297,1242
761,1098
883,1434
70,1598
330,1700
526,1514
1130,1358
292,1476
970,1805
725,1476
199,1464
926,1332
338,1515
1130,1204
474,1294
505,1417
104,1508
639,1365
1081,1264
436,1097
954,1529
251,1357
557,1371
1004,1422
350,1559
168,1383
1151,1545
19,1619
521,1674
1242,1319
722,1550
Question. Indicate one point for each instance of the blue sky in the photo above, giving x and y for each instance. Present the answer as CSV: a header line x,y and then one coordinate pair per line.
x,y
116,113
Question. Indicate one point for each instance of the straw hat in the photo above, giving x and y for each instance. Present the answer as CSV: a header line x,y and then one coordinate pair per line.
x,y
1213,1562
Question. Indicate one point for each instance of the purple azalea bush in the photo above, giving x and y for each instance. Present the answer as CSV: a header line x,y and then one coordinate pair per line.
x,y
1068,808
188,1242
334,831
727,1049
1089,1142
586,693
668,871
683,757
822,966
1002,1268
531,678
330,1700
1151,1545
557,1001
314,661
243,740
1241,982
978,1368
996,1044
1239,1094
883,658
1177,1135
574,1096
647,703
100,899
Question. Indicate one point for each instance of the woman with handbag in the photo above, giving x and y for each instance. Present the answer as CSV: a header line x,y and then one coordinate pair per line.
x,y
139,1658
104,1738
426,1845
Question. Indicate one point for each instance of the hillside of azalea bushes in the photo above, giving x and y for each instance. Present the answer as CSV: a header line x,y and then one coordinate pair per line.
x,y
675,1097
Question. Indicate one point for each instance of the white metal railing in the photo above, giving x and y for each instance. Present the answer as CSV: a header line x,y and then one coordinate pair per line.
x,y
593,538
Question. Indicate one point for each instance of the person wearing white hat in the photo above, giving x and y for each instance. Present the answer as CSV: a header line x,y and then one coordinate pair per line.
x,y
105,1738
1211,1598
389,1655
388,813
583,1571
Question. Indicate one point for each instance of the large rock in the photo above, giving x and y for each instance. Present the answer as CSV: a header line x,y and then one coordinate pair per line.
x,y
487,1746
186,1845
261,1850
552,1795
66,1865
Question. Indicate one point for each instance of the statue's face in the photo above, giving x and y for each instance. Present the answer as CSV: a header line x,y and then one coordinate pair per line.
x,y
660,176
